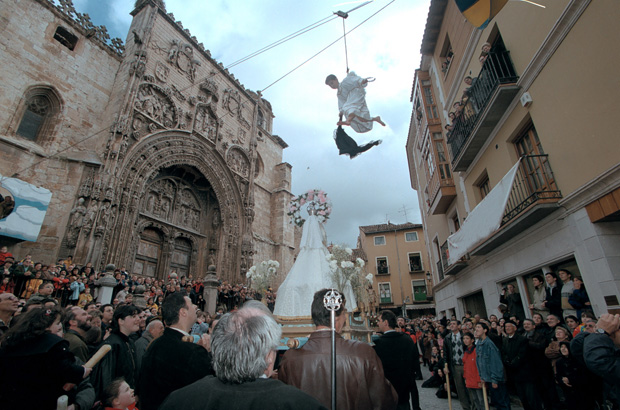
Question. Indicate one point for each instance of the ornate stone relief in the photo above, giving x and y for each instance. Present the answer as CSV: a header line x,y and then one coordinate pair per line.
x,y
238,162
161,72
206,123
155,104
138,65
182,56
174,203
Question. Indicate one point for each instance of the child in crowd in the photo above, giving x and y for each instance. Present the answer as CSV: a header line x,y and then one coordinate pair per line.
x,y
119,396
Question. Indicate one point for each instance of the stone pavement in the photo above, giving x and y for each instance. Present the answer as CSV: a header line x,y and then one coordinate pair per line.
x,y
428,400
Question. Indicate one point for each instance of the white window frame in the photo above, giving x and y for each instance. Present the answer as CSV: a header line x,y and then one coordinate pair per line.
x,y
389,286
421,261
387,263
417,237
379,244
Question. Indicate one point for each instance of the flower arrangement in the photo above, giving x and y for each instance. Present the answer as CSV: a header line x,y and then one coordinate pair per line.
x,y
314,198
345,270
261,276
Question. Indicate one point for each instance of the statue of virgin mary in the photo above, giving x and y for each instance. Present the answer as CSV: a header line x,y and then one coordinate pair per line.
x,y
310,273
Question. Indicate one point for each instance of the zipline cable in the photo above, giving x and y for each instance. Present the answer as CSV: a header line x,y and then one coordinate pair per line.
x,y
254,54
328,46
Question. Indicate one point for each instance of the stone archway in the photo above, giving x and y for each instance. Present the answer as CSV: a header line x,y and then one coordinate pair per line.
x,y
157,186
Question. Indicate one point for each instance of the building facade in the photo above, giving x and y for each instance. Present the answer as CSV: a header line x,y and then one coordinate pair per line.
x,y
397,258
513,152
157,157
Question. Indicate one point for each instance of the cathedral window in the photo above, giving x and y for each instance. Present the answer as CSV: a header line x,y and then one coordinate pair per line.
x,y
40,111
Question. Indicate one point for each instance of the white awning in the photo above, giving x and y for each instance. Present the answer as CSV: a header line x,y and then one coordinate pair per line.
x,y
483,220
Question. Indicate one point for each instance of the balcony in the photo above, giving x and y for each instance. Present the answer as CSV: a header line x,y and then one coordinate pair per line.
x,y
489,97
455,267
440,270
383,270
533,196
441,193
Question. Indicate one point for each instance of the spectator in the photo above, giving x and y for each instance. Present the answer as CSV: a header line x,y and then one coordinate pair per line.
x,y
453,353
9,304
553,300
398,355
539,296
566,292
77,322
580,299
76,288
359,372
512,300
553,350
118,395
602,356
170,363
154,329
121,360
490,368
470,372
35,363
519,367
4,253
573,324
571,376
242,379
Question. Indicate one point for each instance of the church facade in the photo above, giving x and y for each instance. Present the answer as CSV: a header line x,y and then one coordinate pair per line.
x,y
158,159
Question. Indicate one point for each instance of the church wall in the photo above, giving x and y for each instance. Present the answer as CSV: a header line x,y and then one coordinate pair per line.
x,y
82,80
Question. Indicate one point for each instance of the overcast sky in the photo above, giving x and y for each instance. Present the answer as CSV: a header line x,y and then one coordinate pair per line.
x,y
369,189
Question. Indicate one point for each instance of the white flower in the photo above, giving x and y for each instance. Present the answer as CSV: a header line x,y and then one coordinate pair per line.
x,y
369,277
349,251
333,265
346,264
249,274
360,262
272,271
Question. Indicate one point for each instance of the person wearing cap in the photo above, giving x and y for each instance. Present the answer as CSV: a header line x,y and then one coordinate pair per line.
x,y
519,366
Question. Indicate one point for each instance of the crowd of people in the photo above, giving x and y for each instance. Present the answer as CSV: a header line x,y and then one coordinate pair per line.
x,y
175,355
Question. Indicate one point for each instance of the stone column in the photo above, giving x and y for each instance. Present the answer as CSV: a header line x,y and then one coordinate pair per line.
x,y
138,297
106,284
209,294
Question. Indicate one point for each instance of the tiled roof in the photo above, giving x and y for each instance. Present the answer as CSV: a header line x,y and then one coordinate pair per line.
x,y
388,227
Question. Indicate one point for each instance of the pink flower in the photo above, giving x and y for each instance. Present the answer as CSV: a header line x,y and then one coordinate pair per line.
x,y
310,195
303,201
321,212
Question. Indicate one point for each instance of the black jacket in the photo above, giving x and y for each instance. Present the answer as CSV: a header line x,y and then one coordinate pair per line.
x,y
514,356
120,362
170,364
398,354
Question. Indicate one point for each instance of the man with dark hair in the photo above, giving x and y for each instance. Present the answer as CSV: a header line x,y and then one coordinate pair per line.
x,y
490,368
453,354
567,291
244,351
171,363
107,313
553,301
398,354
360,381
121,361
519,366
76,323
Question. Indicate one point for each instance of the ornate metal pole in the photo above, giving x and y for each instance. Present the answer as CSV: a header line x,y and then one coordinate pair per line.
x,y
332,302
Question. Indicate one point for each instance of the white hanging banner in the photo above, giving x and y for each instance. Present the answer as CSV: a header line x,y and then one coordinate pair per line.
x,y
483,220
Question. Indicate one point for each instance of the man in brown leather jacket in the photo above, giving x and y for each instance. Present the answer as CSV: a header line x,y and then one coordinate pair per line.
x,y
361,383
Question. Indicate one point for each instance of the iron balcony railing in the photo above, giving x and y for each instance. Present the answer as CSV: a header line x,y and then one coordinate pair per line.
x,y
533,183
496,70
440,270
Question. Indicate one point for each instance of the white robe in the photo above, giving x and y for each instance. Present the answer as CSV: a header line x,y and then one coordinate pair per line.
x,y
309,274
352,100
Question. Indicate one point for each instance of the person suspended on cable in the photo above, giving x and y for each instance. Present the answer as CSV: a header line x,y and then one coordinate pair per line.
x,y
352,102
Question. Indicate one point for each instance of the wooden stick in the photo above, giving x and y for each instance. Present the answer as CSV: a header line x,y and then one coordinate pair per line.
x,y
484,395
448,386
103,350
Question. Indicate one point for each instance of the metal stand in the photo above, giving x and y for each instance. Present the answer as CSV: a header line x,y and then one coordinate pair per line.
x,y
332,302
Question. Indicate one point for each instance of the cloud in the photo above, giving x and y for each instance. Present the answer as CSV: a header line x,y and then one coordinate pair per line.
x,y
375,184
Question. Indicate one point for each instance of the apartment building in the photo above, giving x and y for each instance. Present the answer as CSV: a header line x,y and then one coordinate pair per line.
x,y
397,257
513,150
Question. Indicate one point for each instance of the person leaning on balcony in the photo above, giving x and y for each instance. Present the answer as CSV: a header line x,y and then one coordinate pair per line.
x,y
512,299
538,297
